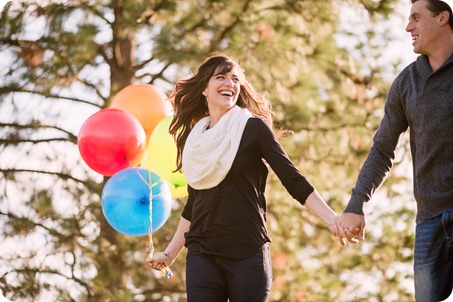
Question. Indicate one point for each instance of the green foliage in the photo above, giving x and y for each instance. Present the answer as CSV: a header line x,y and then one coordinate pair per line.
x,y
67,59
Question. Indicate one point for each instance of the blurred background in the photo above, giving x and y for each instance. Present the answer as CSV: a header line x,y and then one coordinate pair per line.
x,y
326,66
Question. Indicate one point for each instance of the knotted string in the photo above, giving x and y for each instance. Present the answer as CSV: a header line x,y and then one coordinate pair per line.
x,y
166,271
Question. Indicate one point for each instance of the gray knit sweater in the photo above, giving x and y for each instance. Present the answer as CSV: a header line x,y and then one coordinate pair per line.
x,y
421,100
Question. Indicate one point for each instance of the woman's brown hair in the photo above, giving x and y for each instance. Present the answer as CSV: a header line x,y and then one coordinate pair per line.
x,y
190,105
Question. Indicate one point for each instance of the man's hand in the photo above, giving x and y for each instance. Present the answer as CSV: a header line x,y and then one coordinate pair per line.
x,y
352,226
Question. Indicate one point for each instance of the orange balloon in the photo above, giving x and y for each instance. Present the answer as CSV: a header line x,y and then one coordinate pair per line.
x,y
146,102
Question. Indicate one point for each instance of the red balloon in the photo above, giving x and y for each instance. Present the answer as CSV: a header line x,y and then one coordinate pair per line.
x,y
111,140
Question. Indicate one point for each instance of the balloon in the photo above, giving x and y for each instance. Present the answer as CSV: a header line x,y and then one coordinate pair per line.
x,y
160,154
126,199
147,103
178,192
111,140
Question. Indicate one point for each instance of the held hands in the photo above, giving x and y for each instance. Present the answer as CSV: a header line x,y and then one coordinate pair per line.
x,y
351,226
348,227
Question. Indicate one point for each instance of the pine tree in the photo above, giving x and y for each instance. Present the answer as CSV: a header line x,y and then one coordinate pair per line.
x,y
65,60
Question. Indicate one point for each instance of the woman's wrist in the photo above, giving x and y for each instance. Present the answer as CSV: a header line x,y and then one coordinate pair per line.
x,y
332,219
168,257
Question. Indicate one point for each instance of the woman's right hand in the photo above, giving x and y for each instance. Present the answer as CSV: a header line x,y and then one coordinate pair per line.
x,y
158,261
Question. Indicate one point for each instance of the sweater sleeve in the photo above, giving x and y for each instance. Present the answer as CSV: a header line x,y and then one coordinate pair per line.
x,y
187,211
382,153
295,183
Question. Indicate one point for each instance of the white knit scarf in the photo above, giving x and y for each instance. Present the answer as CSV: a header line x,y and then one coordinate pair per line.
x,y
208,154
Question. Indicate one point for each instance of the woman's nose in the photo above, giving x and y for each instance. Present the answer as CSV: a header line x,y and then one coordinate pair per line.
x,y
229,81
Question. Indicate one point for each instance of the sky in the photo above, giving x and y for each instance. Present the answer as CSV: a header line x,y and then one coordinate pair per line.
x,y
3,3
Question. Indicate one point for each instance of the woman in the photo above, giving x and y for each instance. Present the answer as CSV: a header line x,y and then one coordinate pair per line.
x,y
224,137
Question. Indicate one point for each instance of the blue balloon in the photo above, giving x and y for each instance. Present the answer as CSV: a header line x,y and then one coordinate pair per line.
x,y
126,199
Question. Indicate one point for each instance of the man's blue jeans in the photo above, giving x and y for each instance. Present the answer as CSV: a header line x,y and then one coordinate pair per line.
x,y
433,258
217,279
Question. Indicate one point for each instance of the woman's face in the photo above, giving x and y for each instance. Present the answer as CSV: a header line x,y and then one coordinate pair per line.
x,y
222,91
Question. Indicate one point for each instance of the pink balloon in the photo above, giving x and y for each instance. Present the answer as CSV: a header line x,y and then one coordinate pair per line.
x,y
111,140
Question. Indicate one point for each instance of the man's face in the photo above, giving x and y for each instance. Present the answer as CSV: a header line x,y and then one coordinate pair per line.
x,y
424,28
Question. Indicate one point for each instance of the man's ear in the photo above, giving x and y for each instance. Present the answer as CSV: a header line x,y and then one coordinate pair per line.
x,y
443,18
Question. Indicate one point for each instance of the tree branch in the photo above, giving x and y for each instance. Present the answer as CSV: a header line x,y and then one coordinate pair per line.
x,y
89,184
94,87
57,273
19,89
38,126
230,27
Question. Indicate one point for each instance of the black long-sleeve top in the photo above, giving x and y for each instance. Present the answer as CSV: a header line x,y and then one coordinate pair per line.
x,y
229,220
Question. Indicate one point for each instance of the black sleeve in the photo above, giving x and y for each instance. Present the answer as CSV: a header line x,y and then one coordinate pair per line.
x,y
187,211
295,183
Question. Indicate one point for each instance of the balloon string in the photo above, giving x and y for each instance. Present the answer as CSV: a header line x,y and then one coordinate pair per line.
x,y
150,184
166,271
150,230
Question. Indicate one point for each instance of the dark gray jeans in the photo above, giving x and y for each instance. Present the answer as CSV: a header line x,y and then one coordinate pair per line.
x,y
217,279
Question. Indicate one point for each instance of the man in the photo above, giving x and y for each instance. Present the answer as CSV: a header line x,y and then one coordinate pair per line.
x,y
420,99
